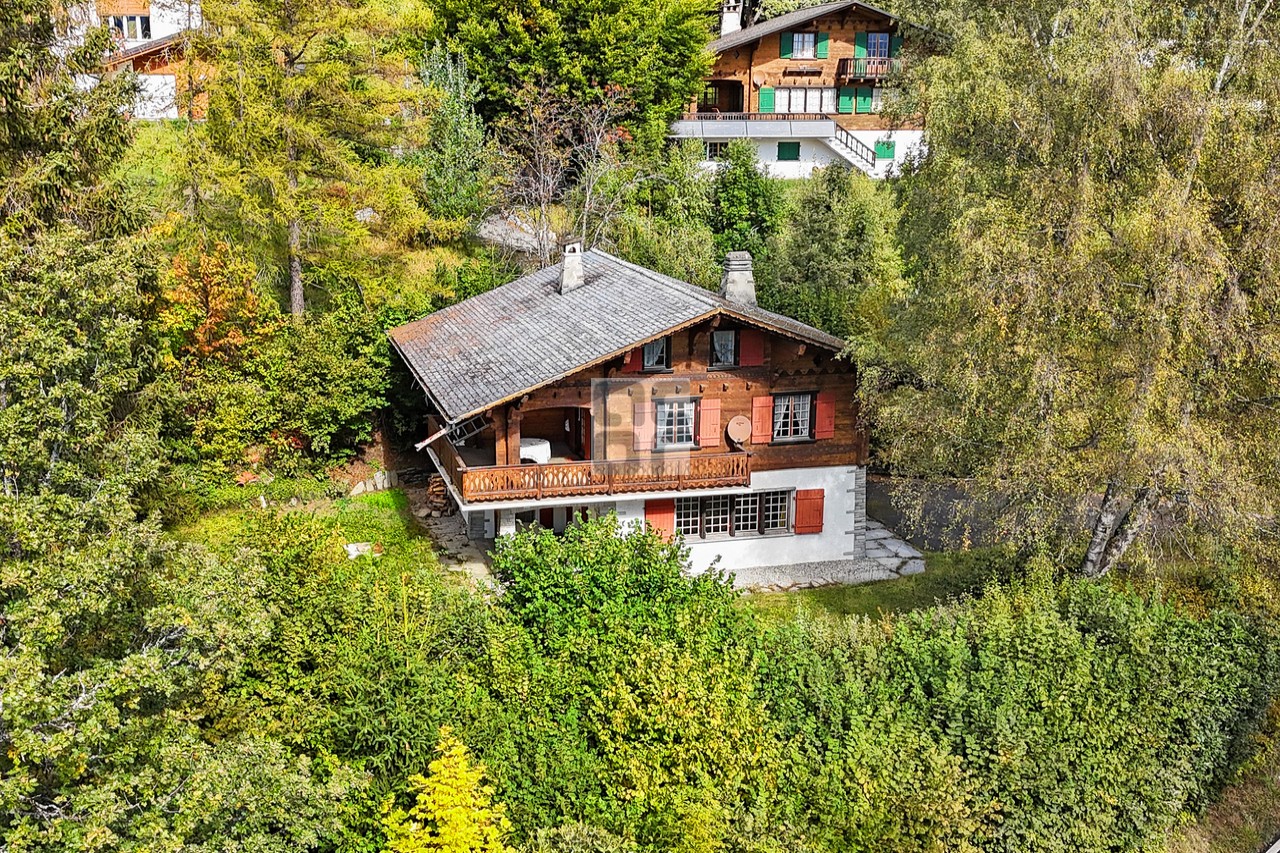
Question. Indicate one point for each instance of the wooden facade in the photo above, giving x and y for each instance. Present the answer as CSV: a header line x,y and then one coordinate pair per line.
x,y
749,78
600,421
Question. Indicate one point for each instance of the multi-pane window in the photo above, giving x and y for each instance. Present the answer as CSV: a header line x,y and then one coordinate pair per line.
x,y
773,511
689,516
675,423
792,416
805,99
746,512
733,515
709,100
803,45
657,355
131,27
717,150
715,515
724,348
878,45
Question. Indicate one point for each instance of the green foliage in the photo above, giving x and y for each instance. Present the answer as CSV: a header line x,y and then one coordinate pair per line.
x,y
654,51
458,165
747,205
57,138
835,259
578,838
452,812
1091,238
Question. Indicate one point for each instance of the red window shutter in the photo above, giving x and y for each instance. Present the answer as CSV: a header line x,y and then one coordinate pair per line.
x,y
661,515
824,425
709,423
750,348
761,420
645,425
633,361
809,507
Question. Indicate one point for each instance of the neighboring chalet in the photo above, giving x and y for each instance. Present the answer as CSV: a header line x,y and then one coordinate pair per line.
x,y
597,385
151,38
805,88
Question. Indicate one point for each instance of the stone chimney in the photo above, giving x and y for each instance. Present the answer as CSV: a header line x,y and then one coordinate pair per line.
x,y
730,16
571,265
739,281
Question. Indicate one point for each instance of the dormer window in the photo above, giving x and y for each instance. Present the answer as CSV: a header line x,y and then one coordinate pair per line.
x,y
657,355
130,27
804,45
724,348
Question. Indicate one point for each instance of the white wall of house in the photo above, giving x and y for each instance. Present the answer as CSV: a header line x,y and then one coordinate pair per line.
x,y
843,523
815,152
157,96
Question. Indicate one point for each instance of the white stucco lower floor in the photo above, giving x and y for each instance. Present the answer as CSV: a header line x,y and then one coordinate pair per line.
x,y
847,549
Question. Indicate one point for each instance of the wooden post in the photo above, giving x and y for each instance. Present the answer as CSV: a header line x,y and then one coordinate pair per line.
x,y
513,436
499,418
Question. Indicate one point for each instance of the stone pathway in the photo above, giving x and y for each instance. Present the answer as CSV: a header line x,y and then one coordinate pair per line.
x,y
455,551
888,558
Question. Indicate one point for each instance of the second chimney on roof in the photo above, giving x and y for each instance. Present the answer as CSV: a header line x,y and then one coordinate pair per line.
x,y
739,281
571,265
730,17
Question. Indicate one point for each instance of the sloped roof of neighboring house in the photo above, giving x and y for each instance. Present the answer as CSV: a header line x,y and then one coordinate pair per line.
x,y
782,23
513,339
149,48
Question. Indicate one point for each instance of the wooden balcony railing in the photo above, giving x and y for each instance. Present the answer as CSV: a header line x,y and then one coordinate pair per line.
x,y
589,477
594,477
866,68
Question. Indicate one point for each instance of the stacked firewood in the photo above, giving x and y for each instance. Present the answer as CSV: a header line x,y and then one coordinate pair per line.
x,y
438,501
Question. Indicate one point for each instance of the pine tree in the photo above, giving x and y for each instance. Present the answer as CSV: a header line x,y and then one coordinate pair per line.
x,y
453,810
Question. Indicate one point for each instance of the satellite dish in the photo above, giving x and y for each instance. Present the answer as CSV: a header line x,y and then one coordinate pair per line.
x,y
739,429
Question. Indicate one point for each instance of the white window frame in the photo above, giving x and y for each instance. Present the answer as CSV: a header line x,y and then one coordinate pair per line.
x,y
130,27
791,420
722,516
810,42
676,424
877,45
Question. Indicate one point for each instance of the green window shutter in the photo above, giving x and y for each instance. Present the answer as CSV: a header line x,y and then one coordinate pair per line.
x,y
860,46
820,46
844,102
766,99
863,102
895,45
788,150
885,149
785,45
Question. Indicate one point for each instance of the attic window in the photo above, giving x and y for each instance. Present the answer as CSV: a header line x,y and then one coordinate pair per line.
x,y
724,348
657,355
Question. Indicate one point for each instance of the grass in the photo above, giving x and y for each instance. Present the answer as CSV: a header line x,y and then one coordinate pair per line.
x,y
382,518
947,575
1245,820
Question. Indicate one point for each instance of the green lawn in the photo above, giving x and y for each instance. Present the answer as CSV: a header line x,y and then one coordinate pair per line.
x,y
382,518
946,575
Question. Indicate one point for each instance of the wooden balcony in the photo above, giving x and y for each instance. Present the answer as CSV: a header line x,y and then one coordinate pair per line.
x,y
867,68
591,477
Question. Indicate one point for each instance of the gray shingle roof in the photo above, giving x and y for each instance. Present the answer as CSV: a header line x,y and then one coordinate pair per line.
x,y
526,334
746,35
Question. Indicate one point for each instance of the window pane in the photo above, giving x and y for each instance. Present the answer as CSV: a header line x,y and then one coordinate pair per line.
x,y
723,345
878,45
828,100
146,26
687,516
802,46
791,415
746,514
675,423
655,354
715,515
131,27
775,510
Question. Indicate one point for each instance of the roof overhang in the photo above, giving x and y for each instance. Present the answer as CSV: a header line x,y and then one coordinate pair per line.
x,y
831,344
